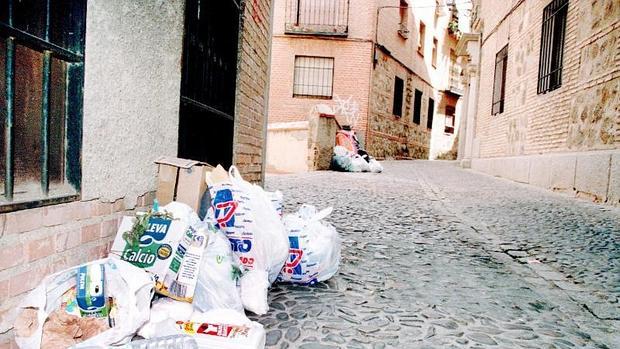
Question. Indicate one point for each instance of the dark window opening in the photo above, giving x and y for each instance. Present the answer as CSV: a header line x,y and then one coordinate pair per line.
x,y
41,82
417,106
431,113
434,56
552,46
314,77
397,108
421,38
499,83
449,122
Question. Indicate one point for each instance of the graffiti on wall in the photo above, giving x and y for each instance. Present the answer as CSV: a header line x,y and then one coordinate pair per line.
x,y
347,109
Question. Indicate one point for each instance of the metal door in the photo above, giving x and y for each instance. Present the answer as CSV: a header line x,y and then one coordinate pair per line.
x,y
208,84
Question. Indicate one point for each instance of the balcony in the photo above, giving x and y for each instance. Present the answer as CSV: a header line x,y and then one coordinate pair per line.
x,y
317,17
455,86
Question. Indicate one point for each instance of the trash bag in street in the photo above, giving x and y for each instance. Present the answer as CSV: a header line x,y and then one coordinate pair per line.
x,y
218,276
256,233
220,328
48,317
315,247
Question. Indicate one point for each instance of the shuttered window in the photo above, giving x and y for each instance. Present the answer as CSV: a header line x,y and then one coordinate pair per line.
x,y
41,83
314,77
552,46
397,108
499,83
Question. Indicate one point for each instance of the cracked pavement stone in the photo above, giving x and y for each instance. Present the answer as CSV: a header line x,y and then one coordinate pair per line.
x,y
434,256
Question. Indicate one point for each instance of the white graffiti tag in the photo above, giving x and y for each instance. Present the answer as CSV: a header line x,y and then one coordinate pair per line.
x,y
347,108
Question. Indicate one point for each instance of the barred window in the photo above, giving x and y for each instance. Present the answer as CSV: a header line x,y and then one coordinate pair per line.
x,y
314,77
41,83
552,46
397,108
499,83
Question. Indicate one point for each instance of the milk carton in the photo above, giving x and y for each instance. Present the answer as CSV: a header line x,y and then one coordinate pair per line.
x,y
90,291
182,275
156,245
169,249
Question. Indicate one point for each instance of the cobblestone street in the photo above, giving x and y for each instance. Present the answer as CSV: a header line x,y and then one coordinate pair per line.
x,y
439,257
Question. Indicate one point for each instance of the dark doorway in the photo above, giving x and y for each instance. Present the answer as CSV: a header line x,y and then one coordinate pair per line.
x,y
208,84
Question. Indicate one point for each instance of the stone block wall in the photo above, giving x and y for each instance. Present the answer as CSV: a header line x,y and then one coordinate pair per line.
x,y
567,139
581,115
390,136
252,89
45,240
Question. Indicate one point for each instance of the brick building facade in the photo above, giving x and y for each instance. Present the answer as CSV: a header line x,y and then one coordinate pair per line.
x,y
559,122
130,68
374,54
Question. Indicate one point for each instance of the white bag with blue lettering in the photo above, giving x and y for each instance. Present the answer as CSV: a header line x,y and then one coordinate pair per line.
x,y
315,247
257,236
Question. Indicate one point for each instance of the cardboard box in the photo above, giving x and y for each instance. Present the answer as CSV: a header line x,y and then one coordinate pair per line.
x,y
181,180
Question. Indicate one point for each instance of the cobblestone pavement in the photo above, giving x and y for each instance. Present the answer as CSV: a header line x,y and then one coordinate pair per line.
x,y
438,257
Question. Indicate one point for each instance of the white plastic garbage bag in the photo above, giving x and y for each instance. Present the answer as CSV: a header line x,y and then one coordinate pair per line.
x,y
220,328
277,200
358,164
314,247
217,281
182,212
130,287
375,166
256,234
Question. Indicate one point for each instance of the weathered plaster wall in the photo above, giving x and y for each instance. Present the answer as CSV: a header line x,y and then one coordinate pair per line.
x,y
131,94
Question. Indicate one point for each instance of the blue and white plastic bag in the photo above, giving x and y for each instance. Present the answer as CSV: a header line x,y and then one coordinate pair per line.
x,y
244,212
315,247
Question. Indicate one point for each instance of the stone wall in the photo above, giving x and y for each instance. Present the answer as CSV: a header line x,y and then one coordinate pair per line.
x,y
581,115
390,136
252,89
567,139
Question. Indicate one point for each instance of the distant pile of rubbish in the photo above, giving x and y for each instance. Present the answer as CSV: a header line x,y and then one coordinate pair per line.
x,y
182,275
349,155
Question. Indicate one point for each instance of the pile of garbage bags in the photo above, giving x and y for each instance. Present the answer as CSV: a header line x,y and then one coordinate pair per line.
x,y
349,155
172,277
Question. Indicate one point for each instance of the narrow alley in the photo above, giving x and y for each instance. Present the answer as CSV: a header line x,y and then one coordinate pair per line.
x,y
439,257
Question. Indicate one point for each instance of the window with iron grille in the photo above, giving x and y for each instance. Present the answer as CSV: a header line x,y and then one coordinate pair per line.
x,y
552,46
417,106
499,83
431,113
41,82
320,17
314,77
397,108
449,122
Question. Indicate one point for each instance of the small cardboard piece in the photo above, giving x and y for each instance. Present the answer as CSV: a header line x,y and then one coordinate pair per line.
x,y
181,180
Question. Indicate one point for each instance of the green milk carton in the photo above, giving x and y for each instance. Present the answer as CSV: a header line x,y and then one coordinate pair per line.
x,y
154,248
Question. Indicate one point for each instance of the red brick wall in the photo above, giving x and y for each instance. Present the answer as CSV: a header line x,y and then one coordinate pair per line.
x,y
45,240
252,89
